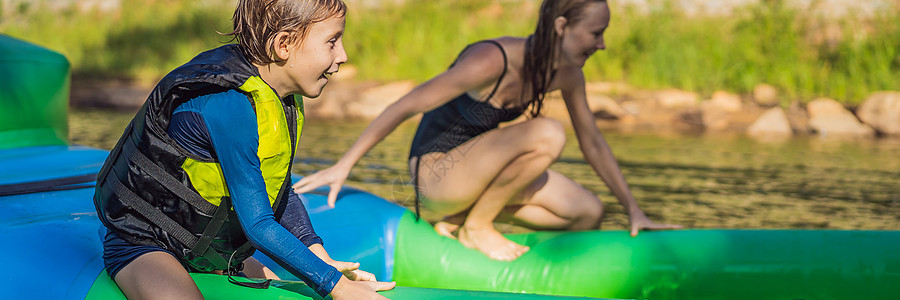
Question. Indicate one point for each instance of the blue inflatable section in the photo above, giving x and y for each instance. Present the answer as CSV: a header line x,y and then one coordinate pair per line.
x,y
368,237
32,164
51,232
49,236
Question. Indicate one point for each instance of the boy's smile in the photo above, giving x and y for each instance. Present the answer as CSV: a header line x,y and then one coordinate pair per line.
x,y
317,56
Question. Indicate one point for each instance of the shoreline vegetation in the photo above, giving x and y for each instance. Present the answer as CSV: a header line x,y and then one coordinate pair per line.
x,y
666,63
803,55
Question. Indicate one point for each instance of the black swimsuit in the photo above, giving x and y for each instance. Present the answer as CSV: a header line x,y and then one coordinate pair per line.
x,y
458,121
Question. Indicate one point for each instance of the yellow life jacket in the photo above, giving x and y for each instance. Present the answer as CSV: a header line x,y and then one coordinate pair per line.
x,y
151,191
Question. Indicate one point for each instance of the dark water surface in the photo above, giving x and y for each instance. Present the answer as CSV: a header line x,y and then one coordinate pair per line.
x,y
701,181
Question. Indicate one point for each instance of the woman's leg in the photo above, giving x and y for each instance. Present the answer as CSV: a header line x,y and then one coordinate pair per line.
x,y
555,202
156,275
552,202
484,174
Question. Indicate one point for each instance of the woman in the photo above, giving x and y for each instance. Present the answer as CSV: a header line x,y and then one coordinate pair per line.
x,y
470,171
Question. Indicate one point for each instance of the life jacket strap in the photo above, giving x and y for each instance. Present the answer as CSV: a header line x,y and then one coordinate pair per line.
x,y
168,181
236,271
152,214
219,214
212,228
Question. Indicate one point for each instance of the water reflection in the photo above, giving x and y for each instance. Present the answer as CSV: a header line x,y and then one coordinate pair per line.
x,y
709,181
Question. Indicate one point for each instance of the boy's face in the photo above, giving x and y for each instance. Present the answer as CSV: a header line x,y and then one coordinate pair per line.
x,y
317,56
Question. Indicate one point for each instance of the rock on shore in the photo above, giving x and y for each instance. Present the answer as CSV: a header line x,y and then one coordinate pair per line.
x,y
882,111
614,105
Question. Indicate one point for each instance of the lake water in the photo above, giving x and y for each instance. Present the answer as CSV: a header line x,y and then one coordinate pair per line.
x,y
697,180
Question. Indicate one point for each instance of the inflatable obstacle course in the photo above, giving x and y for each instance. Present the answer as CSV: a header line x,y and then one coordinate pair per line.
x,y
679,264
34,95
49,227
53,239
53,236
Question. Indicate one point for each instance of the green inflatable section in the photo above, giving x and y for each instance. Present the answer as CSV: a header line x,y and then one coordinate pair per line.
x,y
34,95
683,264
218,287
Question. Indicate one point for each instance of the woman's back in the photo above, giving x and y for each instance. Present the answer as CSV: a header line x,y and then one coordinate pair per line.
x,y
461,119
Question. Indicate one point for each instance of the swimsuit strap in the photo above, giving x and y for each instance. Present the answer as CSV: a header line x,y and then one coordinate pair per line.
x,y
505,62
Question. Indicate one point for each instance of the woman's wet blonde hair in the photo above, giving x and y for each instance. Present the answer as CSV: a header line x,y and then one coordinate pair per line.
x,y
257,22
542,46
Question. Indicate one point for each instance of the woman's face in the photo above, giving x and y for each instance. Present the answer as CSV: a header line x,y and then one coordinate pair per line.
x,y
582,38
317,56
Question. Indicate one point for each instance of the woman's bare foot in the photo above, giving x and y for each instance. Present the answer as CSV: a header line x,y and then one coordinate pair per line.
x,y
450,224
446,229
491,243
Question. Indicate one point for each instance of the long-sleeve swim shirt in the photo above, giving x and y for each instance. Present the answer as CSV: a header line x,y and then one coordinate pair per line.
x,y
223,126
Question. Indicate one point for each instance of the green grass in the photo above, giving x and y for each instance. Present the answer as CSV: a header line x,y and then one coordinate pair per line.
x,y
763,43
143,41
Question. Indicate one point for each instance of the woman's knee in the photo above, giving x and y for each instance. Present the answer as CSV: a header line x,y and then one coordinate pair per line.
x,y
546,135
590,215
595,210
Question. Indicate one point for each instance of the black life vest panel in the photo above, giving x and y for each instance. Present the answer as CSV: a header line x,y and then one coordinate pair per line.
x,y
145,191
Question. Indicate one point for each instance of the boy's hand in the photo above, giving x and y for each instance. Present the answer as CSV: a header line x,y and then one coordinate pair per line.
x,y
334,177
353,290
351,270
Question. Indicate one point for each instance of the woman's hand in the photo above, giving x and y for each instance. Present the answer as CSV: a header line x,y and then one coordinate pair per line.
x,y
352,290
640,221
333,177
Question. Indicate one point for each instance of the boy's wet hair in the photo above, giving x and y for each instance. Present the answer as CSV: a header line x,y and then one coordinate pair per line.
x,y
257,22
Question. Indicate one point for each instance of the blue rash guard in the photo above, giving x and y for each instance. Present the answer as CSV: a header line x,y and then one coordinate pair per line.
x,y
223,126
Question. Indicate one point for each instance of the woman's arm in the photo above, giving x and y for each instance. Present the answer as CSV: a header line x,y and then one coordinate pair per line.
x,y
597,152
480,66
